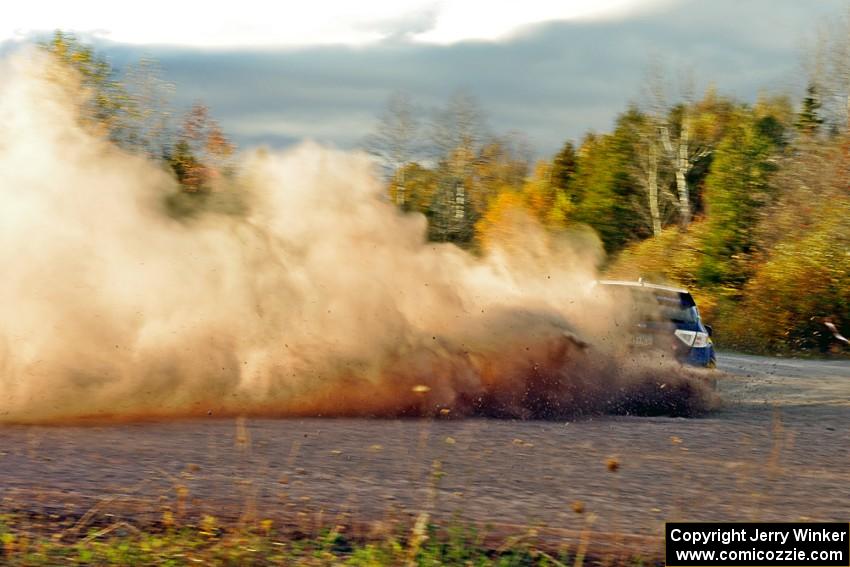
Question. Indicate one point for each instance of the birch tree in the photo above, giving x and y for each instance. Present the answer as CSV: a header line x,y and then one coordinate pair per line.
x,y
827,64
646,163
683,152
686,132
655,146
458,132
395,141
649,164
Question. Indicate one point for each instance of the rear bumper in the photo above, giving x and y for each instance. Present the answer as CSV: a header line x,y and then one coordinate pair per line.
x,y
698,356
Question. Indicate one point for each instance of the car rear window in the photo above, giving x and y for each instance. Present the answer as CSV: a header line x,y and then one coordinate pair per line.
x,y
657,304
678,307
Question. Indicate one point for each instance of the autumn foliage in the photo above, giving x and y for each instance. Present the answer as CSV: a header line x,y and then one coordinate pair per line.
x,y
745,204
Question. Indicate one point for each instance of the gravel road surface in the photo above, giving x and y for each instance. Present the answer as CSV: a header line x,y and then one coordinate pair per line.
x,y
779,449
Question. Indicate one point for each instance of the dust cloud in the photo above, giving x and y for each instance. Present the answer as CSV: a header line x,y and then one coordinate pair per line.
x,y
321,299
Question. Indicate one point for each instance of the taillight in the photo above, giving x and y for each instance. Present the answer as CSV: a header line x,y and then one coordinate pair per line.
x,y
701,340
694,339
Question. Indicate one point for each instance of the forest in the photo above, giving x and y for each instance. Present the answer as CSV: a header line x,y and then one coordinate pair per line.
x,y
744,203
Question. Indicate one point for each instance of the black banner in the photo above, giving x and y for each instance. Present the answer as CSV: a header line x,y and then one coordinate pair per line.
x,y
745,544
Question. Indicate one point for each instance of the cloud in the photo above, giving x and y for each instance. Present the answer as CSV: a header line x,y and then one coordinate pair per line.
x,y
553,81
257,23
460,21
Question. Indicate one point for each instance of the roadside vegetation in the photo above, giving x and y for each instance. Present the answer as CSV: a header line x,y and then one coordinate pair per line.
x,y
744,203
208,542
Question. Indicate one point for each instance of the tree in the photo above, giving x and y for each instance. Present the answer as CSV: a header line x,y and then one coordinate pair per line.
x,y
738,185
201,154
458,131
134,114
564,167
451,215
689,135
501,222
680,153
562,176
150,113
809,119
686,131
647,167
803,239
828,66
419,186
469,169
501,162
106,104
611,199
131,110
395,141
510,212
457,139
547,202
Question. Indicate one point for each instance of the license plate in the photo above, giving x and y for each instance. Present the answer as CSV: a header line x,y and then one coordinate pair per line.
x,y
642,340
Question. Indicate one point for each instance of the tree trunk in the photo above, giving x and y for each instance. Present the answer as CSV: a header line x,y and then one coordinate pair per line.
x,y
847,111
683,165
400,197
652,187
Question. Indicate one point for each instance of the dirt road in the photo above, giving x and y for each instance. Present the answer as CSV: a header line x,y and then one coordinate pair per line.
x,y
778,450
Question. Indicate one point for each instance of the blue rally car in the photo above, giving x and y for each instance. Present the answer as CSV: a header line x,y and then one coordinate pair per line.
x,y
666,318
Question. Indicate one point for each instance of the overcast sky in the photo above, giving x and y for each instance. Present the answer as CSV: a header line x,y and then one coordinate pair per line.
x,y
550,70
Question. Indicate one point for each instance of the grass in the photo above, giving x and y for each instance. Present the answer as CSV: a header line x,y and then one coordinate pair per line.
x,y
28,541
172,530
